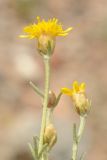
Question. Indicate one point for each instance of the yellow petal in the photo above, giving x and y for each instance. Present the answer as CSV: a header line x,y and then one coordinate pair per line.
x,y
66,91
63,34
23,36
38,18
69,29
75,86
50,28
82,87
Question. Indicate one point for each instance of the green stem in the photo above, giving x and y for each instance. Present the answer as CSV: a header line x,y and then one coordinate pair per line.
x,y
78,137
49,116
45,101
74,151
81,127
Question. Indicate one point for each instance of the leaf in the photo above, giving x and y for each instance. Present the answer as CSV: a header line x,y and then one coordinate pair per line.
x,y
43,150
36,89
58,98
35,143
32,151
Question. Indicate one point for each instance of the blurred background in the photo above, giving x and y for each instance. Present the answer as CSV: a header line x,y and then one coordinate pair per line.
x,y
82,56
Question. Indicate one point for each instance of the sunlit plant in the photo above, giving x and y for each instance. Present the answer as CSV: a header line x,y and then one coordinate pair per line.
x,y
45,32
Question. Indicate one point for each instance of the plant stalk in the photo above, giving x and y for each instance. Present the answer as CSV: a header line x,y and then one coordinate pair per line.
x,y
78,137
45,100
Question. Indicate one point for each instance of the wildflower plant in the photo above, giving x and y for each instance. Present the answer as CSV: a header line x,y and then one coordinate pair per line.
x,y
45,32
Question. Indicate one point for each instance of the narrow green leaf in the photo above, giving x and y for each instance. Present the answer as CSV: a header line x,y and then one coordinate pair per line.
x,y
32,151
36,89
36,142
44,149
58,98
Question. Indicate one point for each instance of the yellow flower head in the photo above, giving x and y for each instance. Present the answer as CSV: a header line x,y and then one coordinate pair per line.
x,y
50,28
78,94
76,89
45,32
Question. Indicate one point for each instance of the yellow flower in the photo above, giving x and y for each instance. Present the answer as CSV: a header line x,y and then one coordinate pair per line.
x,y
45,32
78,94
51,28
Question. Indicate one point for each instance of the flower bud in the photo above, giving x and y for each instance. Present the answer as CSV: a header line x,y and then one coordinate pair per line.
x,y
46,44
78,95
50,135
52,99
81,103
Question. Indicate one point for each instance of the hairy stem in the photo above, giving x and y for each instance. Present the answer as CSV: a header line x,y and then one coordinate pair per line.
x,y
78,137
81,127
45,101
49,116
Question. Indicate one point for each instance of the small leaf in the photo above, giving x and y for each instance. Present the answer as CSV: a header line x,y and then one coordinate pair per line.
x,y
32,151
43,150
36,89
35,141
58,98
